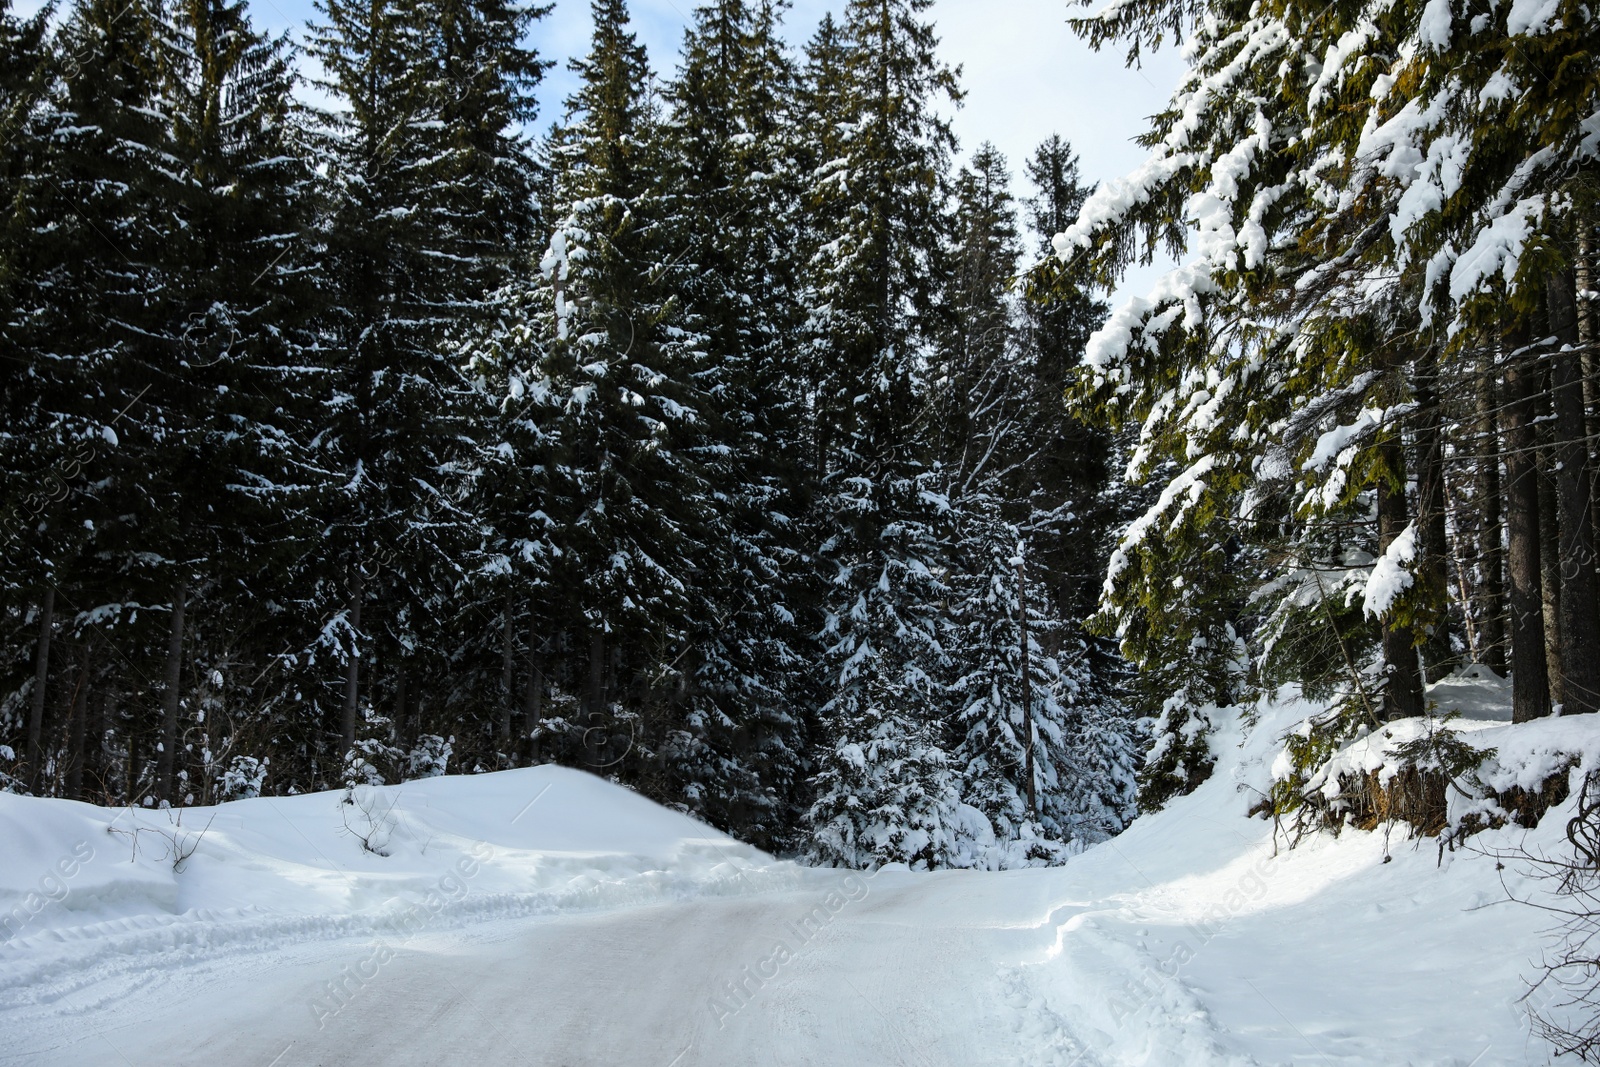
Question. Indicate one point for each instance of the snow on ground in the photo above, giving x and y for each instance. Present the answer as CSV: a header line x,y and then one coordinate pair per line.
x,y
547,917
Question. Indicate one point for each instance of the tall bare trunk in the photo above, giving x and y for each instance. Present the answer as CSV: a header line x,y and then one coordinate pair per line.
x,y
1433,543
597,670
1549,553
402,729
133,769
1402,690
1027,691
94,766
1491,550
533,696
508,685
78,726
1589,363
1530,689
166,760
352,668
1580,593
41,681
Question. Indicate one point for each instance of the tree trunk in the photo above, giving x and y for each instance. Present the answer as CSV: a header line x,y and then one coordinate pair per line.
x,y
1491,549
1549,552
1580,593
78,726
1402,690
597,671
1433,539
41,681
166,761
1530,687
533,697
1460,545
1583,277
1027,691
352,669
508,685
131,771
402,727
94,767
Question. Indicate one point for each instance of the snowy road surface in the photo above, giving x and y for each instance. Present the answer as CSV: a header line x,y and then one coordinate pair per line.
x,y
642,986
545,917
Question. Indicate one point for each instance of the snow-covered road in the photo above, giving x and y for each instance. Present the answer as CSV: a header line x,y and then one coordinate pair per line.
x,y
548,918
850,970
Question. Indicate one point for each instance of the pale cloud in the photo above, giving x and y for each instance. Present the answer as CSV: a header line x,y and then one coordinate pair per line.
x,y
1026,74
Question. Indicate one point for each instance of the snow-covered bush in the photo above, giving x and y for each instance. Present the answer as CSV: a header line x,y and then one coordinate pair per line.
x,y
429,757
9,783
362,763
242,780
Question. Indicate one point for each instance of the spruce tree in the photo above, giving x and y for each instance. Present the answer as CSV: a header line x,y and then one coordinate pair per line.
x,y
619,388
428,188
1060,465
1012,698
735,220
485,77
884,787
107,329
1023,479
243,261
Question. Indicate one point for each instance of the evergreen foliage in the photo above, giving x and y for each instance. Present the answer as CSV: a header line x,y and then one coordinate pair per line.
x,y
693,443
1383,215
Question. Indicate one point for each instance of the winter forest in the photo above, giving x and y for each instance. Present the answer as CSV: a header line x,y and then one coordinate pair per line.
x,y
521,547
706,440
725,436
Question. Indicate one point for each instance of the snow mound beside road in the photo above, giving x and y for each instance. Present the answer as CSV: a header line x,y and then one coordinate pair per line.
x,y
88,892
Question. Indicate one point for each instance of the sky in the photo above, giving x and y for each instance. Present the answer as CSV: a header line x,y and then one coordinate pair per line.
x,y
1025,73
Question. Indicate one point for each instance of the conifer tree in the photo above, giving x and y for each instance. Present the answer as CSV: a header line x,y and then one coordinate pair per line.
x,y
1060,464
734,200
692,446
425,178
883,504
1014,462
1011,696
34,443
485,77
239,477
623,386
107,334
1288,380
980,348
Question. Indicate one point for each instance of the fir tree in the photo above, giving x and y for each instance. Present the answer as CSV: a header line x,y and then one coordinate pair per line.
x,y
730,142
1011,696
624,407
240,479
425,176
883,505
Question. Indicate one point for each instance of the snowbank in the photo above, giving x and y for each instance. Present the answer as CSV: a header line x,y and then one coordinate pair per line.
x,y
1470,712
86,891
1199,937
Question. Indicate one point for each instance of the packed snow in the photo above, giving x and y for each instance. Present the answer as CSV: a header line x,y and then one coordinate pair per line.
x,y
546,916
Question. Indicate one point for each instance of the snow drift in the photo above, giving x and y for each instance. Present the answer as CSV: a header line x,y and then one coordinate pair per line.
x,y
86,892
